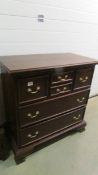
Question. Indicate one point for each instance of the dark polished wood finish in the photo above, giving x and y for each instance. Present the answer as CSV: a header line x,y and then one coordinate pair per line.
x,y
44,61
4,147
32,88
45,96
51,108
49,127
83,77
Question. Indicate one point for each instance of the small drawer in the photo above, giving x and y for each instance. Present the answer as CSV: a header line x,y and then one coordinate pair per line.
x,y
83,77
34,113
34,88
61,89
59,78
37,132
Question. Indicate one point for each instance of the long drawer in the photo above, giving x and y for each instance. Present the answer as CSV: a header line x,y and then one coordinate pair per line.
x,y
49,108
49,127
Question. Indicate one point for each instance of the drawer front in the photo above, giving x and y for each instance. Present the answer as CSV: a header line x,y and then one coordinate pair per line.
x,y
49,127
61,77
40,111
32,88
63,89
83,77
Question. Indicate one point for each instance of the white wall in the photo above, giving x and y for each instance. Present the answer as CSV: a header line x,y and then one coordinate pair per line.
x,y
69,26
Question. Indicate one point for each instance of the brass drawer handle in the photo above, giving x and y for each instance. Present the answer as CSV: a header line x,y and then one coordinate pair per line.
x,y
61,91
83,80
82,99
33,116
33,136
33,92
77,117
62,79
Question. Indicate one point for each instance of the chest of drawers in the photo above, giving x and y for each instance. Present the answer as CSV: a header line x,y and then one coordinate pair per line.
x,y
45,96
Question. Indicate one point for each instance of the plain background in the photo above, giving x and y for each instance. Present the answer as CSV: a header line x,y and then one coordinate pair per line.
x,y
69,26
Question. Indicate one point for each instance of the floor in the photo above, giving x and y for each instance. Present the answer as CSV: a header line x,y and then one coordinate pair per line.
x,y
76,154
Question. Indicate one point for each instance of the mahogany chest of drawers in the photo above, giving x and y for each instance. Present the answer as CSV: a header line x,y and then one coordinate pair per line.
x,y
45,96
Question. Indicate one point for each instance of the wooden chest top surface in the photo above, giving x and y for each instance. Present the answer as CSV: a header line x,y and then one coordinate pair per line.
x,y
44,61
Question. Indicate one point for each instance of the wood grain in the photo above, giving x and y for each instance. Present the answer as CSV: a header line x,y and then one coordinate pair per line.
x,y
44,61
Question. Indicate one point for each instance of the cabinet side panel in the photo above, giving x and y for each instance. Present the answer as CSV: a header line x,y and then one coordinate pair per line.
x,y
2,111
9,102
